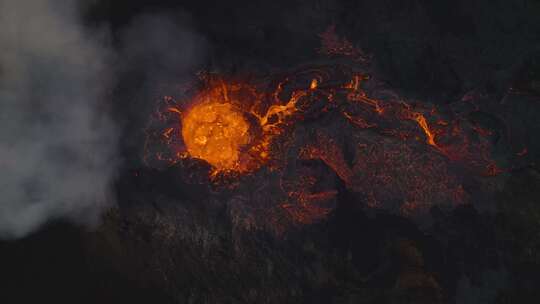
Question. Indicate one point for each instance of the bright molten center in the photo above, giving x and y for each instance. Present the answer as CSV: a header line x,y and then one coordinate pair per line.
x,y
215,132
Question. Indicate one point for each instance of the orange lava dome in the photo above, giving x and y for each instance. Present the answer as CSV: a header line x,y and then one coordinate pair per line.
x,y
215,132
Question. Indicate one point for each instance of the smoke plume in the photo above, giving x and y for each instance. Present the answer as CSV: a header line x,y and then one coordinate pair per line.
x,y
57,142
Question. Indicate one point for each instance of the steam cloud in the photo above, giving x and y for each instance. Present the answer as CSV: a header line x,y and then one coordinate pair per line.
x,y
57,142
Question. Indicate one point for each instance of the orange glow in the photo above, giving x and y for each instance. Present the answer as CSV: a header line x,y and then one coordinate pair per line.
x,y
175,110
280,111
167,133
215,132
358,95
314,84
239,127
230,125
286,131
421,120
354,84
358,121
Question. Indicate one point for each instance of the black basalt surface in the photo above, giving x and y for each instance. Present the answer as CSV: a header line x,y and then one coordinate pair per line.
x,y
174,238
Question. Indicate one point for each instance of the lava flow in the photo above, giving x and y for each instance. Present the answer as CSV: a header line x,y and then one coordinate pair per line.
x,y
399,155
229,125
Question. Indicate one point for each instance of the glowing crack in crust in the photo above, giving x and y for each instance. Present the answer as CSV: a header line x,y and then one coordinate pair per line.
x,y
215,132
401,150
237,127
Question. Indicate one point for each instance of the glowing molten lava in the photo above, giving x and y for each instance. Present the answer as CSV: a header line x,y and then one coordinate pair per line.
x,y
294,132
215,132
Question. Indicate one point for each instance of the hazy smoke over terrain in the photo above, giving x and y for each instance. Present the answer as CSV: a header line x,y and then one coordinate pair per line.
x,y
56,140
164,46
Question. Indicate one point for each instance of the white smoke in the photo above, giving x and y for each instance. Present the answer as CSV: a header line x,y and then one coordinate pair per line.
x,y
57,142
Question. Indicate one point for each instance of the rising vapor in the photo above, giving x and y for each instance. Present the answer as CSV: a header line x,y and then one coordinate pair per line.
x,y
57,142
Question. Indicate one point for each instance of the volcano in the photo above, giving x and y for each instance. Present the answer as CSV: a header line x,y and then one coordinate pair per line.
x,y
310,152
